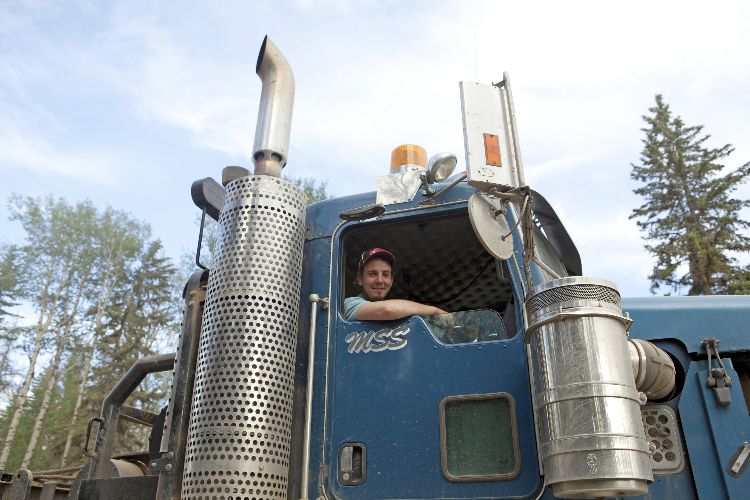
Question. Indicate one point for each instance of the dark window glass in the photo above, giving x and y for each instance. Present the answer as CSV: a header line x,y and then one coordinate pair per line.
x,y
478,437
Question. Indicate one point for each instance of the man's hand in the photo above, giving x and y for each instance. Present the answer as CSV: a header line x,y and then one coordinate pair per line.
x,y
441,325
447,320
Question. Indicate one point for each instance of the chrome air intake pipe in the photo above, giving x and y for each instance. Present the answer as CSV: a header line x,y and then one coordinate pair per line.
x,y
238,441
653,369
591,437
275,111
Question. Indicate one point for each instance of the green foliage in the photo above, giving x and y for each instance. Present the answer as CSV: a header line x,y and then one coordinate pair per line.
x,y
8,371
9,281
105,296
692,223
143,310
50,444
31,408
58,236
313,190
109,295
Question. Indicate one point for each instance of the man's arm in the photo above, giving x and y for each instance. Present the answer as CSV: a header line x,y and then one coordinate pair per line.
x,y
394,309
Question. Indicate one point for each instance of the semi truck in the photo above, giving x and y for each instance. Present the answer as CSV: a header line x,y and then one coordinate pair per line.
x,y
544,383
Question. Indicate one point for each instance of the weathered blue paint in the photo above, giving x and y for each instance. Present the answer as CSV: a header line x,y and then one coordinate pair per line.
x,y
671,487
691,319
323,217
389,399
712,433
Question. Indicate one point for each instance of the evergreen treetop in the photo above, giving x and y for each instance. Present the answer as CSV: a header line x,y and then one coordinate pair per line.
x,y
689,217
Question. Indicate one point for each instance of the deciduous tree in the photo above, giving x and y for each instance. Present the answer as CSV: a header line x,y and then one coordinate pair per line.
x,y
51,262
104,293
116,246
314,190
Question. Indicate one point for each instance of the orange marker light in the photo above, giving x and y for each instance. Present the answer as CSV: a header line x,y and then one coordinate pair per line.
x,y
406,156
492,150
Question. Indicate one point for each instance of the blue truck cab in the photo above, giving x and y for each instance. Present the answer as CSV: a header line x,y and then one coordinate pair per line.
x,y
406,409
386,393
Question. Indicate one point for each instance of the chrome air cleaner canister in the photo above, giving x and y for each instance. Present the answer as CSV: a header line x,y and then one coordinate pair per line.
x,y
586,402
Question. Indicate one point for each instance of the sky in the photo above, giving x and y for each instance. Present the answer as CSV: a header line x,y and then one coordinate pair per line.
x,y
127,103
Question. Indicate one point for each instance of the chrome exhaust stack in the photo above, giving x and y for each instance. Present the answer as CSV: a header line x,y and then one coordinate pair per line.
x,y
275,112
239,435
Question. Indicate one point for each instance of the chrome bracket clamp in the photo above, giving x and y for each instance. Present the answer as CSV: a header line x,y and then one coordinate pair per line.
x,y
718,380
739,461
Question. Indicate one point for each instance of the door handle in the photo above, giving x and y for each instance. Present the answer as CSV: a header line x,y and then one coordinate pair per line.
x,y
352,464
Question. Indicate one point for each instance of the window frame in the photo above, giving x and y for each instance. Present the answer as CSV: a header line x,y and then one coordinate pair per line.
x,y
514,432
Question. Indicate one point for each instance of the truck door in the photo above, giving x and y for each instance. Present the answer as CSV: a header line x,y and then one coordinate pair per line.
x,y
417,410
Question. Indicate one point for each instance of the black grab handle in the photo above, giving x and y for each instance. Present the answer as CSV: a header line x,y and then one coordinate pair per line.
x,y
88,436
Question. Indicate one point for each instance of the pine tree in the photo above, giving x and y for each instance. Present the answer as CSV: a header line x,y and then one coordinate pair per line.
x,y
14,450
50,441
692,223
10,291
116,245
104,293
143,309
8,370
9,281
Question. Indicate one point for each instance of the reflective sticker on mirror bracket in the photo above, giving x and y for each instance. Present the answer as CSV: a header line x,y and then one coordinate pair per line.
x,y
491,150
390,339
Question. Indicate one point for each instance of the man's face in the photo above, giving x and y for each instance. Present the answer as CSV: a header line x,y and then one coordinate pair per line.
x,y
375,279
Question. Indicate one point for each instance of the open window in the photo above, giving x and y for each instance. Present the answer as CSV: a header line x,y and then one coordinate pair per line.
x,y
439,261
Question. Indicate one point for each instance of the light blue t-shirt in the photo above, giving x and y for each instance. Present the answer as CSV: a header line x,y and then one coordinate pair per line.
x,y
351,306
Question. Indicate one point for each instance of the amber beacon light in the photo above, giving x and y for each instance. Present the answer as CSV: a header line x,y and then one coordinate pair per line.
x,y
408,157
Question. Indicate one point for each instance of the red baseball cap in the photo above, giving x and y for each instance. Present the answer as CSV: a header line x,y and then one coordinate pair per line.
x,y
376,252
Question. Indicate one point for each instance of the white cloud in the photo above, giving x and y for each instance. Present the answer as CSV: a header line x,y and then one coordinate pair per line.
x,y
164,83
536,173
611,247
19,150
371,76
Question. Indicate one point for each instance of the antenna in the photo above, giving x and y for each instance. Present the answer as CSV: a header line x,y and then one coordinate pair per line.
x,y
476,64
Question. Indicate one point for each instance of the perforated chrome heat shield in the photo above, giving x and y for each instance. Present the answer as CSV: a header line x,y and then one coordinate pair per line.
x,y
240,420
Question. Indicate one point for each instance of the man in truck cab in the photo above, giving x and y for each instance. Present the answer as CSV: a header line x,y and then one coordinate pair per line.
x,y
375,278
